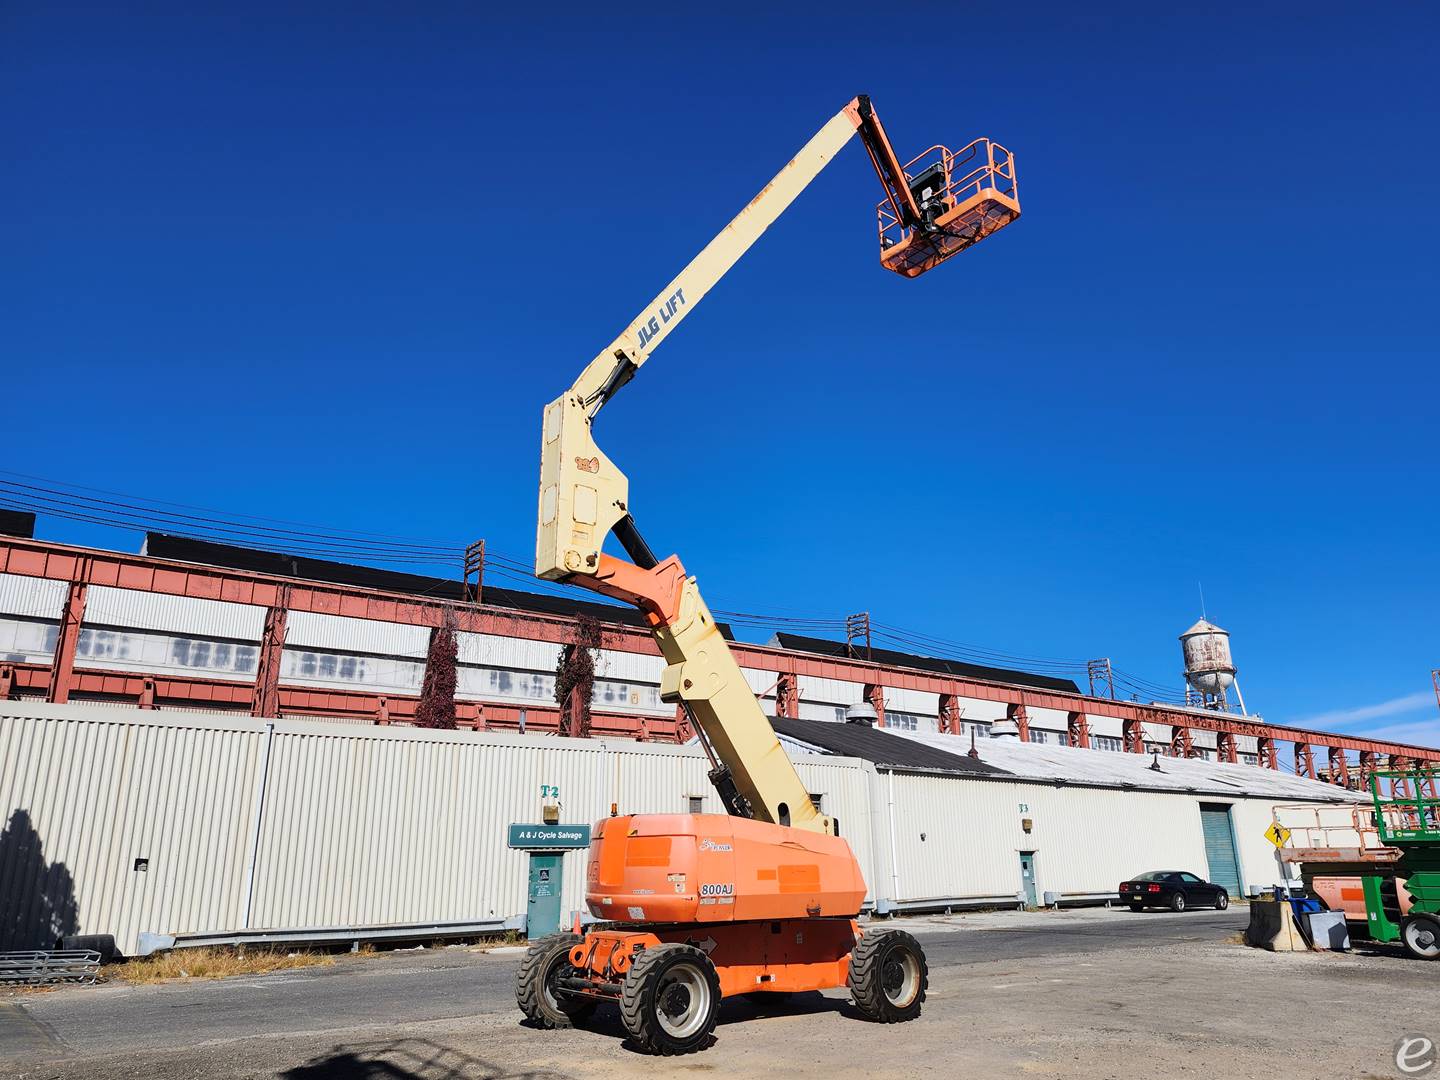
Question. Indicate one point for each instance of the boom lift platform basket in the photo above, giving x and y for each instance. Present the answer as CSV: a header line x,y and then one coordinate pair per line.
x,y
963,197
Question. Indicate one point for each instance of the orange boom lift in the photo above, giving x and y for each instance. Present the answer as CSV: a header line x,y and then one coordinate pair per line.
x,y
699,907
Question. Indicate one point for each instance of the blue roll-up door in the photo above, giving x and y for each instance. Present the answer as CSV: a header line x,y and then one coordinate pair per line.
x,y
1220,846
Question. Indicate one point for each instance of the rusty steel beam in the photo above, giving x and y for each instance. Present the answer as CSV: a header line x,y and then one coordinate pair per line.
x,y
1339,766
266,701
1181,745
1021,718
62,664
875,695
1226,749
96,567
1077,727
787,696
1304,760
950,713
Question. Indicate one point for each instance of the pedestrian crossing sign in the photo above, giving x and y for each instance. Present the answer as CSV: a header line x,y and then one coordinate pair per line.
x,y
1277,834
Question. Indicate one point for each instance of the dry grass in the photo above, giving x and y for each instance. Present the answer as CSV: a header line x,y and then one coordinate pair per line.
x,y
213,963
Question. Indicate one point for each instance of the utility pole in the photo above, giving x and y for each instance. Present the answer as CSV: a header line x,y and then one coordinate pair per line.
x,y
857,630
1102,678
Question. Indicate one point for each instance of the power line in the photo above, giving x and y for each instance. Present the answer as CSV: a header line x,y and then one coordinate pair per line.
x,y
280,536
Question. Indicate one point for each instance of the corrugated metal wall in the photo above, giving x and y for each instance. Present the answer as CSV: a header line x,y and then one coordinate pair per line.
x,y
133,609
1085,839
32,597
342,633
362,825
85,795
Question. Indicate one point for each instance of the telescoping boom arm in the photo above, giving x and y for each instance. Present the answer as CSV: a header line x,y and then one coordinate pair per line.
x,y
584,497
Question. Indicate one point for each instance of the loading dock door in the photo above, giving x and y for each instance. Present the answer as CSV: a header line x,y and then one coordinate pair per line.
x,y
1220,846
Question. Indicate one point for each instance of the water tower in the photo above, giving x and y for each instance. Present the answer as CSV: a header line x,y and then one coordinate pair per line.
x,y
1209,668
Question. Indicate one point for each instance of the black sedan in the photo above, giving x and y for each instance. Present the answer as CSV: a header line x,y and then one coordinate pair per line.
x,y
1175,889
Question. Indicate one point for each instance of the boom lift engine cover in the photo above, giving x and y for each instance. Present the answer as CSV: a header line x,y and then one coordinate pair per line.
x,y
762,899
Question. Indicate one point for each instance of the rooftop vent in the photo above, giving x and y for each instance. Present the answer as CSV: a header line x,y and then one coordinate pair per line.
x,y
1005,729
862,712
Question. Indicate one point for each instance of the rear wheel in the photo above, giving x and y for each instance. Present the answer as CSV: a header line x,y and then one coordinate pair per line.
x,y
888,976
1177,902
536,989
1222,901
1136,907
1421,934
670,999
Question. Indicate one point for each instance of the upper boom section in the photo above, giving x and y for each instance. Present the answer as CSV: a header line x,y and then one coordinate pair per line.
x,y
618,361
584,497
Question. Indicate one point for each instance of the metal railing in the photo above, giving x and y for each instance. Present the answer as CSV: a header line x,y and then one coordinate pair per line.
x,y
1407,804
41,966
1333,833
970,171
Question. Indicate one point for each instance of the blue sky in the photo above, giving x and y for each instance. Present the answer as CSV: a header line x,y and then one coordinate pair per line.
x,y
327,263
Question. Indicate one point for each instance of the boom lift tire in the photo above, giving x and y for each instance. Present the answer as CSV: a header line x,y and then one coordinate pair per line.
x,y
888,976
670,999
1421,935
535,990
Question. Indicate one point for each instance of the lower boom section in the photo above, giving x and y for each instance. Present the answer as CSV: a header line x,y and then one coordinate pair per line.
x,y
669,979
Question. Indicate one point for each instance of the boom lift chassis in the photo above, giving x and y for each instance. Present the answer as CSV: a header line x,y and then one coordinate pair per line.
x,y
763,899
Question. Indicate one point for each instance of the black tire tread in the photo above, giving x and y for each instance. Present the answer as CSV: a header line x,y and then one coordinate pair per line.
x,y
640,1022
866,988
529,984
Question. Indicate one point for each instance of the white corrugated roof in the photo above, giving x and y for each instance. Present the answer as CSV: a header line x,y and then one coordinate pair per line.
x,y
1109,768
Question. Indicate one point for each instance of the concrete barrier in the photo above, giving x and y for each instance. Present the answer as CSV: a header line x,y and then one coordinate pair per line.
x,y
1272,927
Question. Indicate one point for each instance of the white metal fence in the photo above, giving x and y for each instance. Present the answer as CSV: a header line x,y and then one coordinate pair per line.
x,y
125,821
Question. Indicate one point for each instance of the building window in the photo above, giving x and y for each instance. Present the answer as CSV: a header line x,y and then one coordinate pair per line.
x,y
697,804
1250,759
1038,736
818,801
902,721
1105,742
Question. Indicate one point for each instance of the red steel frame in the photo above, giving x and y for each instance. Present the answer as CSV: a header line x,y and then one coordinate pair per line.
x,y
83,567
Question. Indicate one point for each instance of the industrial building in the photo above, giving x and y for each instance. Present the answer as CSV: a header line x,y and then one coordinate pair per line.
x,y
197,624
174,825
207,742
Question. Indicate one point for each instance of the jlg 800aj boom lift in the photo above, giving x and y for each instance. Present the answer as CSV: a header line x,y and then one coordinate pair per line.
x,y
703,906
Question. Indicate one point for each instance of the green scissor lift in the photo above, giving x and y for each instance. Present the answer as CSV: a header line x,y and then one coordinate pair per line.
x,y
1407,814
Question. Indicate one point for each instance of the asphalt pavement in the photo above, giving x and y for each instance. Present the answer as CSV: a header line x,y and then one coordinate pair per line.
x,y
450,1012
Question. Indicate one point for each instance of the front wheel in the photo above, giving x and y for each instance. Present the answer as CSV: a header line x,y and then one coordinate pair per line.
x,y
888,976
1222,901
1177,902
1421,934
536,988
670,999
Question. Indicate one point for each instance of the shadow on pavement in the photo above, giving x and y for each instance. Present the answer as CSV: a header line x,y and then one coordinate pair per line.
x,y
407,1059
